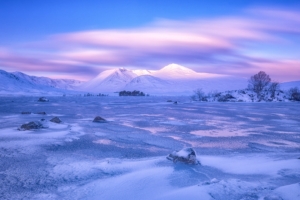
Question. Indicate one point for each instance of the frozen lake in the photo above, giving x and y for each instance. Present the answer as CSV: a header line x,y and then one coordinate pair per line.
x,y
246,150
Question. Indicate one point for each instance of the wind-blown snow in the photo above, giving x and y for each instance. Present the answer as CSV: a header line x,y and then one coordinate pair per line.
x,y
125,158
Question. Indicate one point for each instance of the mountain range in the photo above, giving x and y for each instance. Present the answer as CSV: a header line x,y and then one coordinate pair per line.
x,y
172,79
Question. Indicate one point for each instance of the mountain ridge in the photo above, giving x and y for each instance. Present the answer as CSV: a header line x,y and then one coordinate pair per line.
x,y
172,79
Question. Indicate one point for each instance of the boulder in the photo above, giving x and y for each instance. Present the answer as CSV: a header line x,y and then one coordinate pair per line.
x,y
56,120
31,125
25,113
99,119
175,102
43,99
41,113
186,155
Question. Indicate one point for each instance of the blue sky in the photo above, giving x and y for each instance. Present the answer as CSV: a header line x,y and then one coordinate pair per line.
x,y
78,39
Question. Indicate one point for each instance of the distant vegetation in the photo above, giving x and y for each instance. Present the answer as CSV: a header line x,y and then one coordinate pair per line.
x,y
92,95
133,93
260,88
294,94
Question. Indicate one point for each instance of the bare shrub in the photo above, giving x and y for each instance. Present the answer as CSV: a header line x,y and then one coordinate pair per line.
x,y
294,94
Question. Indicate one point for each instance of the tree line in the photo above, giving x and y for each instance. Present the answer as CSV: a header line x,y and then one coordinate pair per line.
x,y
131,93
260,83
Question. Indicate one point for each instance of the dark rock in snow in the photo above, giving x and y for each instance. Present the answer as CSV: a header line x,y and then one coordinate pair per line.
x,y
55,120
99,119
31,125
175,102
41,113
187,155
225,98
272,197
43,99
25,113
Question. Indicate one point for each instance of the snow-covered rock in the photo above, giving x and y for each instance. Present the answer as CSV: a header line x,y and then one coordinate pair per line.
x,y
31,125
56,120
43,99
186,155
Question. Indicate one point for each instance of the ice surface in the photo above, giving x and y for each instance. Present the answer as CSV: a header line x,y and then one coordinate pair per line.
x,y
246,150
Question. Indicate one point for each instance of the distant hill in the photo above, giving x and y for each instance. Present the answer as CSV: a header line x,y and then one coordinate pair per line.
x,y
20,83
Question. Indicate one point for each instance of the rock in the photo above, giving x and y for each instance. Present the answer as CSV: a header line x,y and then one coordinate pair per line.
x,y
272,197
99,119
41,113
25,113
43,99
31,125
169,101
187,155
175,102
56,120
214,180
225,98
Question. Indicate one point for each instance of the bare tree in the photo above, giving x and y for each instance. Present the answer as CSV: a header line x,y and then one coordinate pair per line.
x,y
259,82
294,94
274,86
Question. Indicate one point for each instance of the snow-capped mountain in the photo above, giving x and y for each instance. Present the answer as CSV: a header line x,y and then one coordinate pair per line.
x,y
67,84
20,83
112,80
171,79
140,72
148,84
174,71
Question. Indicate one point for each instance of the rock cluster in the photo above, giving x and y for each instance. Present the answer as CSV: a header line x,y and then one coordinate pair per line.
x,y
25,113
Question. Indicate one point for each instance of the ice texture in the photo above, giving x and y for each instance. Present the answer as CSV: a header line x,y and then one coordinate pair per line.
x,y
247,150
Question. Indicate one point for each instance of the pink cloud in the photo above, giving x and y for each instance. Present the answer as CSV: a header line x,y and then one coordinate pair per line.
x,y
210,45
281,70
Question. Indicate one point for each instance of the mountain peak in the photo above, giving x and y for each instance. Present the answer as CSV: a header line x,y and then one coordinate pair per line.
x,y
176,71
174,66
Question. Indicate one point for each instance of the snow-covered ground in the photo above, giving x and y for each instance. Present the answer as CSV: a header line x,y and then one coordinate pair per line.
x,y
246,150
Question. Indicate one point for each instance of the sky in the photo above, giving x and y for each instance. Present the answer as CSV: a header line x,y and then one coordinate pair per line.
x,y
79,39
